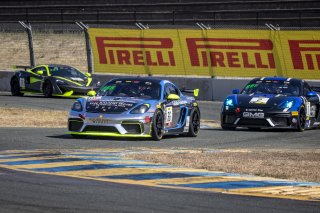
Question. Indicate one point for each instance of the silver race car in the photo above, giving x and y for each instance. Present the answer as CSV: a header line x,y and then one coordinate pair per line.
x,y
136,107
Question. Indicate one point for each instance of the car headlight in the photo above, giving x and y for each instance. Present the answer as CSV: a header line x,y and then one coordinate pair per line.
x,y
229,102
77,106
140,109
60,82
286,105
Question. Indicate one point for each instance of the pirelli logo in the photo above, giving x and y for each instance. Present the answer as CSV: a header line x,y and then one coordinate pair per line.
x,y
233,53
135,51
305,54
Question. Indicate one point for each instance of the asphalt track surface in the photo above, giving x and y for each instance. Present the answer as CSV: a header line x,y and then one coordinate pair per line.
x,y
27,192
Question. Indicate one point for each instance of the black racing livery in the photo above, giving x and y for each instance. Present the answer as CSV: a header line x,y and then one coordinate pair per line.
x,y
52,80
272,102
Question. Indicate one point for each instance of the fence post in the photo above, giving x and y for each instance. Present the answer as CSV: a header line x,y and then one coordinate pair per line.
x,y
30,41
88,46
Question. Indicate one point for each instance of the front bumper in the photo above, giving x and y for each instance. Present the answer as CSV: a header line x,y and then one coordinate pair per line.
x,y
270,119
69,90
115,125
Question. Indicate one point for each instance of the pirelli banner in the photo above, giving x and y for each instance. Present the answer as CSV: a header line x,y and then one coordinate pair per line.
x,y
232,53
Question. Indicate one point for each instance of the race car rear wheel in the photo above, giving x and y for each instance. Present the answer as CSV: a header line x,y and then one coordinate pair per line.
x,y
47,89
157,125
301,125
194,122
15,87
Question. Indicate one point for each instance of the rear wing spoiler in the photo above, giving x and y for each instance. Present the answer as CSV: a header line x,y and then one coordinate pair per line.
x,y
316,89
194,91
22,67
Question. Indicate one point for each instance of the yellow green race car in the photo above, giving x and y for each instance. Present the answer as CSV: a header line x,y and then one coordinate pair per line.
x,y
53,80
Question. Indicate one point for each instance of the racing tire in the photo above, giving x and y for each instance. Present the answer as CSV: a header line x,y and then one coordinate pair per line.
x,y
301,125
157,125
194,123
15,87
47,89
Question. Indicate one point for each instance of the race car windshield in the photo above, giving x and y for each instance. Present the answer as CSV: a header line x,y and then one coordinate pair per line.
x,y
272,87
66,72
137,89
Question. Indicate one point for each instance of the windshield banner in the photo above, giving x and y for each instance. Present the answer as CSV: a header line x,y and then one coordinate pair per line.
x,y
230,53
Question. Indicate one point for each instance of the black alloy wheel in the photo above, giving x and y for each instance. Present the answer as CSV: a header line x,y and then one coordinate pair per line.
x,y
15,87
301,120
47,89
157,125
194,122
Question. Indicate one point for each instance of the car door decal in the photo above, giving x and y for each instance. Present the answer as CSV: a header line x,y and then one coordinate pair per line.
x,y
168,116
22,83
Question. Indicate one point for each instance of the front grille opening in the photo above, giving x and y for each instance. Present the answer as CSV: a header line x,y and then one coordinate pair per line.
x,y
75,124
108,129
229,119
280,121
133,128
253,122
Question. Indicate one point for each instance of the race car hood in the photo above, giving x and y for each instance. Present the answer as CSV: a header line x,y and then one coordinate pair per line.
x,y
112,105
260,100
74,80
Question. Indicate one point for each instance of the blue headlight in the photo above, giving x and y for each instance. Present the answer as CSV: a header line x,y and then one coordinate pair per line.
x,y
229,102
77,106
140,109
288,104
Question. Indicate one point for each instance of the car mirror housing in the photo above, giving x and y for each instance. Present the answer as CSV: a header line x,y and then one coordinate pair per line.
x,y
173,97
40,72
91,93
235,91
311,94
88,74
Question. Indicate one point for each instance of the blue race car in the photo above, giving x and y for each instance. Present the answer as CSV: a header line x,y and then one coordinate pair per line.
x,y
136,107
272,102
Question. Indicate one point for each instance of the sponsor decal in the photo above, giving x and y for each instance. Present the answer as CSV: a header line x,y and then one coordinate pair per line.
x,y
135,51
22,83
259,100
99,120
254,110
294,113
168,115
179,102
232,53
253,114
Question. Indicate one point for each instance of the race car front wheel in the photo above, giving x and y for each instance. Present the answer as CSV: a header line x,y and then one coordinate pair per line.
x,y
301,120
47,89
194,122
157,125
15,87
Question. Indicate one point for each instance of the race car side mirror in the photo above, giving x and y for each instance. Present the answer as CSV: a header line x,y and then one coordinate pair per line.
x,y
311,94
173,97
91,93
40,72
88,74
235,91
